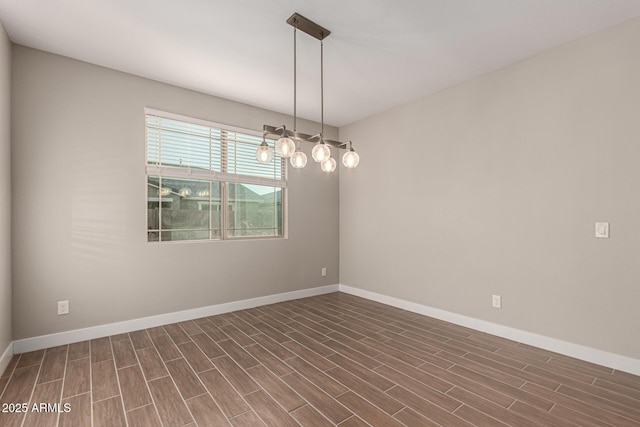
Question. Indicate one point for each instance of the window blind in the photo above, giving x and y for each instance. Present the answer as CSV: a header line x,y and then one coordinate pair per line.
x,y
189,148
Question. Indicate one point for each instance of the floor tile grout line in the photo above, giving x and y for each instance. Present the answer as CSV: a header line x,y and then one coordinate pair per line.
x,y
490,386
4,387
595,419
592,418
279,379
140,407
206,393
64,380
13,370
76,395
204,387
235,389
634,407
196,374
578,370
520,370
491,403
371,403
571,398
634,410
91,402
549,368
347,388
515,399
398,385
115,369
33,389
262,389
146,382
433,403
307,403
311,405
401,409
251,410
620,393
481,411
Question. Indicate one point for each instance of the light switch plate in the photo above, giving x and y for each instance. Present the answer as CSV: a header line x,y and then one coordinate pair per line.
x,y
496,301
63,307
602,230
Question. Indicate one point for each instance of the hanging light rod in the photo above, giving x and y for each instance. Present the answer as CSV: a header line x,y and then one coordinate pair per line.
x,y
279,131
303,24
288,143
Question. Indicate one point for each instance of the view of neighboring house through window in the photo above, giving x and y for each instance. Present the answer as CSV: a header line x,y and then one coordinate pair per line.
x,y
204,182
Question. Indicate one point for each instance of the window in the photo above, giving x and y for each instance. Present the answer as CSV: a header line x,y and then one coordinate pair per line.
x,y
204,182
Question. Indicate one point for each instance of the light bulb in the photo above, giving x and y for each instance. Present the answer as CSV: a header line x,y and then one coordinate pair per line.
x,y
264,153
321,152
285,147
203,193
328,165
165,191
185,192
350,159
298,160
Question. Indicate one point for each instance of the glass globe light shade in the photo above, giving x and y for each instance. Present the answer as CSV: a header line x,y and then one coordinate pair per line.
x,y
321,152
264,153
328,165
350,159
165,191
203,193
285,147
298,160
185,192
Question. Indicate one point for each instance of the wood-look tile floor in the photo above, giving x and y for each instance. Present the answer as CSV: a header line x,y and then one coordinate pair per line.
x,y
329,360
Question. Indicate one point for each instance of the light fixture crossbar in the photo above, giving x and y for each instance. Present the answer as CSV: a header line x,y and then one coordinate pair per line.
x,y
278,131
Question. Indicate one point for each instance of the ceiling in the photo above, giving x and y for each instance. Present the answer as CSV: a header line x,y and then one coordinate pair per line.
x,y
380,54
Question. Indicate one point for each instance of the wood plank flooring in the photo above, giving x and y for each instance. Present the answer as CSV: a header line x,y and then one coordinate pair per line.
x,y
328,360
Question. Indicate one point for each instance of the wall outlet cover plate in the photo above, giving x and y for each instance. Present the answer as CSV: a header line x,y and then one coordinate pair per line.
x,y
602,230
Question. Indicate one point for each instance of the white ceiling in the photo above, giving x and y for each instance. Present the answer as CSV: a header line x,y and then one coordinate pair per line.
x,y
380,54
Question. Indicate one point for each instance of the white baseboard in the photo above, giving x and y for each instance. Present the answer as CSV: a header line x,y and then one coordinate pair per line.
x,y
6,358
77,335
588,354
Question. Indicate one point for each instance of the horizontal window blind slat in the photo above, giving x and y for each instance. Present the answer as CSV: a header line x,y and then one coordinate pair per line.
x,y
196,147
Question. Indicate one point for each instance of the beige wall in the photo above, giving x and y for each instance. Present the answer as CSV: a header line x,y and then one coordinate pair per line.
x,y
5,192
80,210
498,190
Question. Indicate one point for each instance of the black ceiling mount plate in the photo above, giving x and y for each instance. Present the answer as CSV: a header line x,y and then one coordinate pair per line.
x,y
314,30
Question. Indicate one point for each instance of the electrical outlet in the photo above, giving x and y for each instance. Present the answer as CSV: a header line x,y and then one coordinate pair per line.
x,y
63,307
496,301
323,272
602,230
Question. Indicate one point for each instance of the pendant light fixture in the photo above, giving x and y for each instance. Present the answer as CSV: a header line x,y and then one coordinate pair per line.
x,y
285,146
288,143
321,152
328,165
299,159
350,159
264,154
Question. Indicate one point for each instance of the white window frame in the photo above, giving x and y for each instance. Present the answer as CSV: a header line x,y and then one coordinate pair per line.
x,y
224,178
